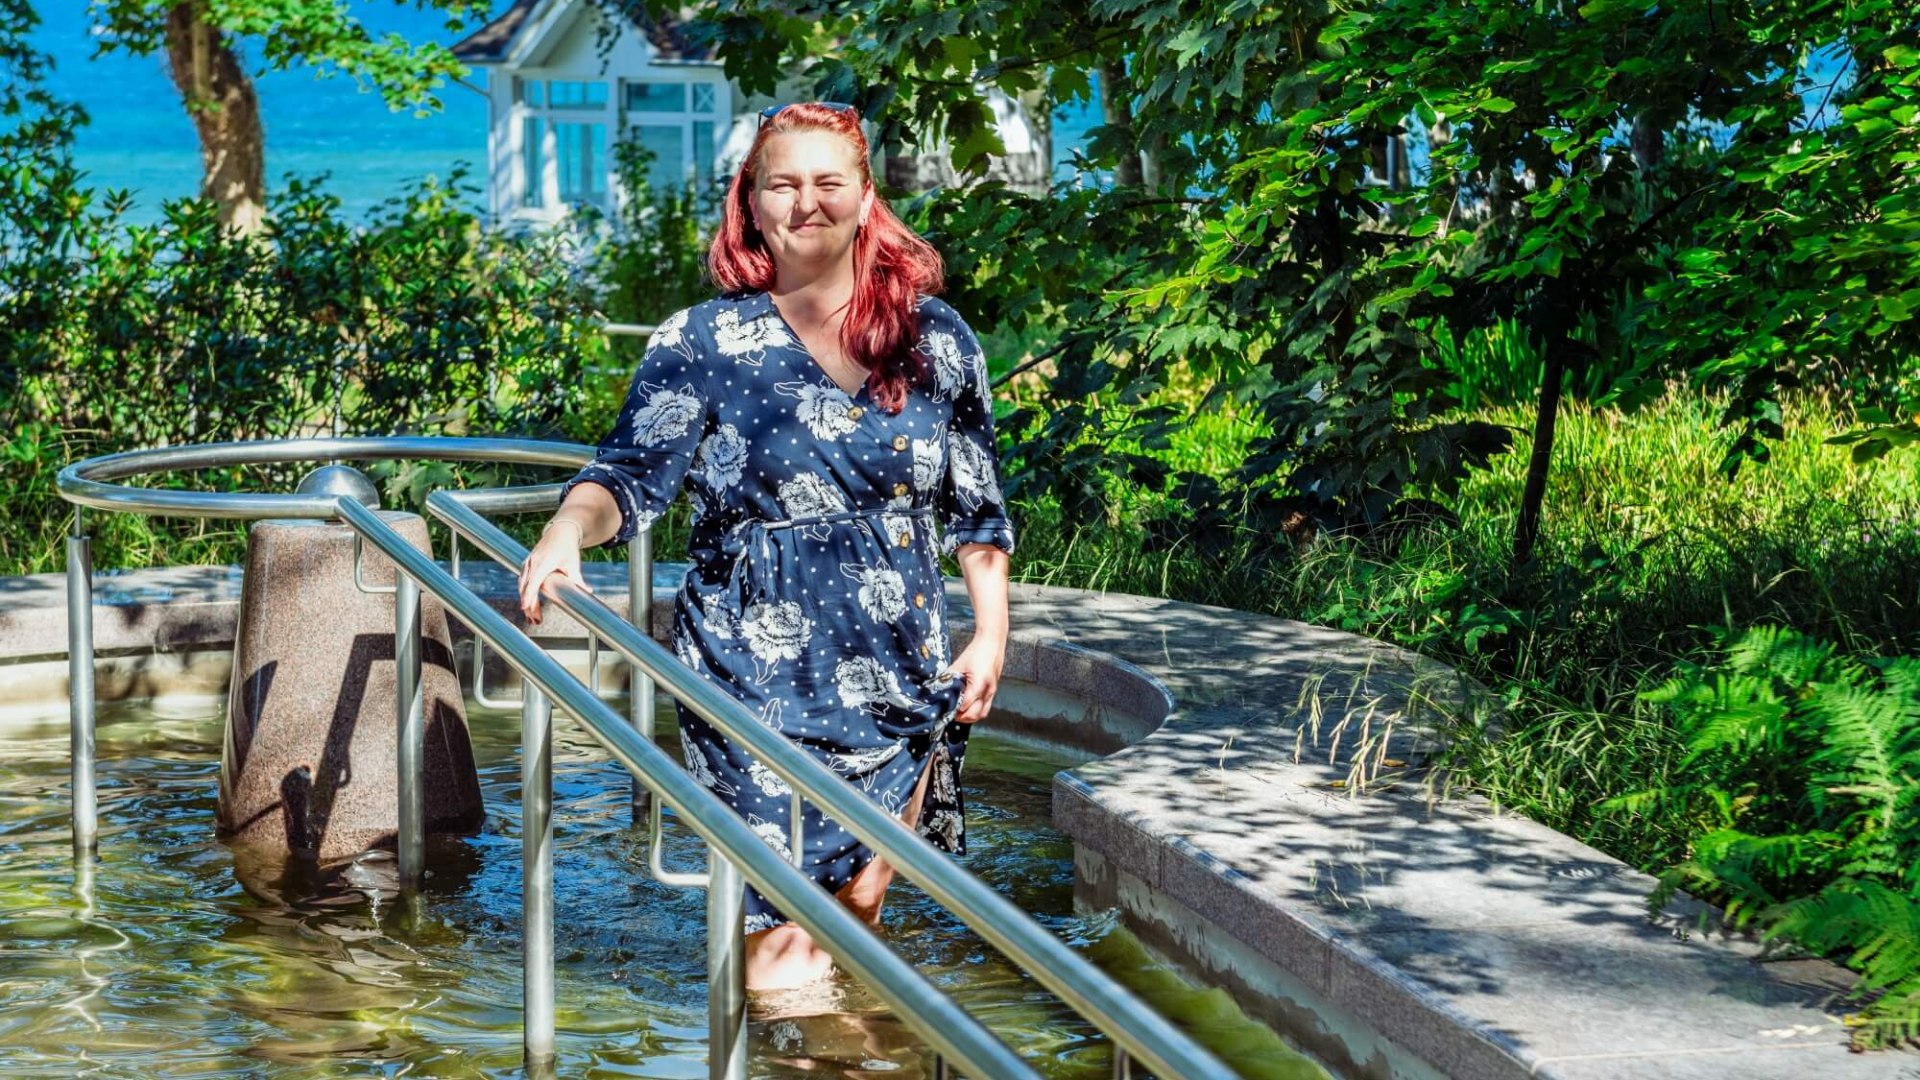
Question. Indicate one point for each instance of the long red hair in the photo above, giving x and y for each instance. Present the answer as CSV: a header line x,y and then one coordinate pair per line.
x,y
892,265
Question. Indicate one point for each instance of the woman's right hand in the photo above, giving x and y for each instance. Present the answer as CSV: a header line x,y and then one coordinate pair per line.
x,y
558,552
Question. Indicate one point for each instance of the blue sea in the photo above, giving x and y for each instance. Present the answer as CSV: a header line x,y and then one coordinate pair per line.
x,y
140,138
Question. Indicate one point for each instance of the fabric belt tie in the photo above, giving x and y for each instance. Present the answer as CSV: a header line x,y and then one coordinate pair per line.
x,y
759,571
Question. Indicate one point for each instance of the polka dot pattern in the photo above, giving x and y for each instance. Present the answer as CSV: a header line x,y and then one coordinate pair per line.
x,y
814,596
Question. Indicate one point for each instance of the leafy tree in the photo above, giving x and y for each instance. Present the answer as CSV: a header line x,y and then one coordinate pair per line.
x,y
203,39
1585,173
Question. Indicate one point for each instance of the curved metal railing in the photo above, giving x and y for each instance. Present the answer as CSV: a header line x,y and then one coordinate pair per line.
x,y
87,483
1143,1033
734,848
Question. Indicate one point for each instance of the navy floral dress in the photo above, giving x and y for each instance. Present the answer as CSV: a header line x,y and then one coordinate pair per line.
x,y
814,595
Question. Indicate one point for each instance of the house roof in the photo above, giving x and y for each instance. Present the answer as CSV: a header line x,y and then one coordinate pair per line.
x,y
492,43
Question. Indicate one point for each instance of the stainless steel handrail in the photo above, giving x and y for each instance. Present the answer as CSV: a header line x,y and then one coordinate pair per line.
x,y
1136,1030
86,482
929,1011
1095,995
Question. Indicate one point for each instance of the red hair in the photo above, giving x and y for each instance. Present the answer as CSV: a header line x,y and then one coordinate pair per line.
x,y
892,265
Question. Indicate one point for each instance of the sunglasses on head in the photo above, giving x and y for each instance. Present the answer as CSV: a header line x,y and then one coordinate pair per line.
x,y
772,111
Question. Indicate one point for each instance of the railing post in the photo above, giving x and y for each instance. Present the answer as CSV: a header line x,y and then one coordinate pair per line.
x,y
726,971
411,705
536,873
639,683
86,821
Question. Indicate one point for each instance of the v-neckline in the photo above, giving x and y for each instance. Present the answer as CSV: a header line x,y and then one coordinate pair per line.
x,y
819,369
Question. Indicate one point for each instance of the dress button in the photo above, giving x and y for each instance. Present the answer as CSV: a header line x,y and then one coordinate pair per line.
x,y
900,489
899,442
924,651
919,599
906,539
856,413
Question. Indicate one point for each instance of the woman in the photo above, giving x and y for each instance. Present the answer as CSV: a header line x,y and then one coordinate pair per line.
x,y
822,413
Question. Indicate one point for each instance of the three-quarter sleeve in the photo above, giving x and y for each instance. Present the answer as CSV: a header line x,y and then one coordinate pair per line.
x,y
971,507
644,460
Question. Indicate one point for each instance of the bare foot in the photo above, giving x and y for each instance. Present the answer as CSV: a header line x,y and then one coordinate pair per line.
x,y
783,958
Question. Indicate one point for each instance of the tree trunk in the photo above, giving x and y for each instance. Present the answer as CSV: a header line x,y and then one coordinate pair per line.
x,y
1116,110
1527,530
226,114
1648,141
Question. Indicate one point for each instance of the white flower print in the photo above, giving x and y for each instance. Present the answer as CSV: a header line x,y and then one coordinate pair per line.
x,y
822,408
775,632
892,525
890,801
770,713
766,779
936,637
972,469
860,762
949,364
882,592
928,456
771,834
722,457
811,495
946,826
746,341
767,920
701,770
685,649
942,785
718,621
667,334
666,415
865,684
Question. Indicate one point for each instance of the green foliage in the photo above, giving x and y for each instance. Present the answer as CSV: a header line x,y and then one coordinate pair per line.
x,y
653,262
1655,544
1801,777
124,336
1593,186
322,34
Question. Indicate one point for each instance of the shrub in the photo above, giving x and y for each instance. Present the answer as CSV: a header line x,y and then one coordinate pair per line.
x,y
123,336
1801,776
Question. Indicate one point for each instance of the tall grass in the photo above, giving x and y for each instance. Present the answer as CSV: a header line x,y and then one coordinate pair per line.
x,y
1647,547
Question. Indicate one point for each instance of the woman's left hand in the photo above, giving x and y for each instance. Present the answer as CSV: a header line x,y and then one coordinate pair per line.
x,y
980,664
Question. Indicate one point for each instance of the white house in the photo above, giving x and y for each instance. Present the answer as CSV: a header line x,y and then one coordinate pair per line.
x,y
556,106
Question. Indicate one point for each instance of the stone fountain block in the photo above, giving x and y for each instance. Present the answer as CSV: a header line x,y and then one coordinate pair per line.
x,y
309,763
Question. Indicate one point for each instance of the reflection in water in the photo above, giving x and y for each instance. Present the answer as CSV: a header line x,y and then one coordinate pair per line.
x,y
176,955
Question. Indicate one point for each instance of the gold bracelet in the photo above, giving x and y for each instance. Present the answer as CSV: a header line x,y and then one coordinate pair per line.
x,y
579,528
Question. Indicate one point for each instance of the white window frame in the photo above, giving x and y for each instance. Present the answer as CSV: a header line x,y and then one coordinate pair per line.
x,y
547,183
688,74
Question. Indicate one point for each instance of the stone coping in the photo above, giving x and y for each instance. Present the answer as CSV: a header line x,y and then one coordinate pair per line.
x,y
1387,933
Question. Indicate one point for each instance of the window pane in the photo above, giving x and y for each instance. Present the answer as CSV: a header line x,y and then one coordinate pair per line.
x,y
527,91
580,165
669,168
702,152
657,97
576,95
702,97
530,157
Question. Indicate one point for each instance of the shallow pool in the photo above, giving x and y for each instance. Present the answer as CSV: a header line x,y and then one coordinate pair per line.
x,y
167,965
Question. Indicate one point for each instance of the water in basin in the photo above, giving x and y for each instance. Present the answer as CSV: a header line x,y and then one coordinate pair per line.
x,y
166,965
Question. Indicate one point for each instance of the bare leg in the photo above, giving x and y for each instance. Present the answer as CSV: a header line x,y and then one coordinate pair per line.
x,y
786,956
868,890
